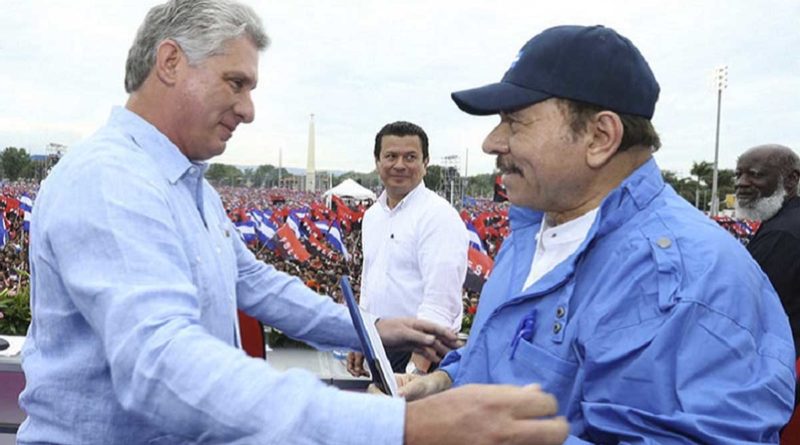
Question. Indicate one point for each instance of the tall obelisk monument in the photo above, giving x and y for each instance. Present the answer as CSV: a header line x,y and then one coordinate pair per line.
x,y
311,171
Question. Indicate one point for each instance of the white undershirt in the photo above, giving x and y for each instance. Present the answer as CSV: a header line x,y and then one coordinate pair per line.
x,y
556,244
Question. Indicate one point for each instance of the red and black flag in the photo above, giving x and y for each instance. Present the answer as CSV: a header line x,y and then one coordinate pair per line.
x,y
500,193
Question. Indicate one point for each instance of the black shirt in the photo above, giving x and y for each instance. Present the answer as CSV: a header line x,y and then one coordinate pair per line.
x,y
776,248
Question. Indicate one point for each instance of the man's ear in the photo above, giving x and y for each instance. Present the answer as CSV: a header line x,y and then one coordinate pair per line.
x,y
790,182
605,134
168,59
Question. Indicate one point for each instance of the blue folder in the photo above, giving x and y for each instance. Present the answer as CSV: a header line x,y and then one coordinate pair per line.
x,y
366,346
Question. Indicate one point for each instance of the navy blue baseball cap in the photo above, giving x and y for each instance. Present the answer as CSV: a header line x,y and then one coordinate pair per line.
x,y
588,64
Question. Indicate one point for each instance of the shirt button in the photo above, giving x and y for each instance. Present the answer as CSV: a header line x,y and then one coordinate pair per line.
x,y
556,328
664,242
560,311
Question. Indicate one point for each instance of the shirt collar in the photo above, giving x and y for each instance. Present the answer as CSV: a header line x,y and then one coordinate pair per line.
x,y
384,199
167,156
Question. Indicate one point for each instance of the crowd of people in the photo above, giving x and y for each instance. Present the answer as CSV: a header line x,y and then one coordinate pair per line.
x,y
323,267
16,200
609,276
321,272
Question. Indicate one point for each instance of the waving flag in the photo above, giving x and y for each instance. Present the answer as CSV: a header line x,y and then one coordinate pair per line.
x,y
474,238
500,193
290,245
320,248
264,228
310,229
479,266
3,232
294,224
26,204
334,237
247,230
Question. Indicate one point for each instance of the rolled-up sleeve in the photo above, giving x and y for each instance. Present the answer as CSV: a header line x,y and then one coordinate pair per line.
x,y
442,256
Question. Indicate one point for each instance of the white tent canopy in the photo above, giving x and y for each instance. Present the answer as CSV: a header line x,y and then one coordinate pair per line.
x,y
350,189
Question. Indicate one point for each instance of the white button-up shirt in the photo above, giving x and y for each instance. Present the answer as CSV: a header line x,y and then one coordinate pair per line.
x,y
415,259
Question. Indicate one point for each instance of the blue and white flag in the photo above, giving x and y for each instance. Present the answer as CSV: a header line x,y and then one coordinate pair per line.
x,y
474,239
334,237
26,205
247,230
3,232
294,222
264,227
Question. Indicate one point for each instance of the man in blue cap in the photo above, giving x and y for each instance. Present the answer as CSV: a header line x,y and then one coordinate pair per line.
x,y
645,320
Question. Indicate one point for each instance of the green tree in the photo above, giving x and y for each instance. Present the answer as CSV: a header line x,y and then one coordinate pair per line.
x,y
266,175
223,174
481,186
369,180
14,161
688,188
434,176
704,171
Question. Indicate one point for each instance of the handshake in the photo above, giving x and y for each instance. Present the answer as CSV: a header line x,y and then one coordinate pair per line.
x,y
473,414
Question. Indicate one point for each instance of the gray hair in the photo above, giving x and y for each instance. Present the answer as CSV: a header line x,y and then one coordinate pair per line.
x,y
200,27
785,160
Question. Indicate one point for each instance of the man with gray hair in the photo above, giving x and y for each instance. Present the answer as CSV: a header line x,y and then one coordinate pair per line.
x,y
766,190
138,273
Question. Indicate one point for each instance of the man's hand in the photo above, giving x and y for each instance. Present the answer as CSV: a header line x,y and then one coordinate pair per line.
x,y
485,415
355,364
414,387
428,339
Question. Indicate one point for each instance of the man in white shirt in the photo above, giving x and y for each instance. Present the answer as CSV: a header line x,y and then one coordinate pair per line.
x,y
414,243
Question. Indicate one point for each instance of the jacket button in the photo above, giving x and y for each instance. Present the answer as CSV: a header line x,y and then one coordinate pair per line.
x,y
664,242
560,311
556,328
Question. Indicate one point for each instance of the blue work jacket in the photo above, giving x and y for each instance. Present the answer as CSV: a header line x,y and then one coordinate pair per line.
x,y
660,328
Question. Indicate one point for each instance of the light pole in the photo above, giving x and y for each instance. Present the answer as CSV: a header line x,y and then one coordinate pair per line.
x,y
721,82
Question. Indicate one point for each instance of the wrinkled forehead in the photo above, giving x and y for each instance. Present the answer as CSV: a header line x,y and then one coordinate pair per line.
x,y
757,159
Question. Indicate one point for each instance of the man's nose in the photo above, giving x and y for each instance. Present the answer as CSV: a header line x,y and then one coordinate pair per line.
x,y
399,163
742,181
245,108
496,142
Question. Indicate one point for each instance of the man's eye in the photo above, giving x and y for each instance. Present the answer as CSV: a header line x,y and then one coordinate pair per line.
x,y
236,84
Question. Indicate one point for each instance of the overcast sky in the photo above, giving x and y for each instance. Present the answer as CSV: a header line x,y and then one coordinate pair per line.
x,y
359,64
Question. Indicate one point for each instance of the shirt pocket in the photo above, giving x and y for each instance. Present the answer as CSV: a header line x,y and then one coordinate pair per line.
x,y
401,255
534,364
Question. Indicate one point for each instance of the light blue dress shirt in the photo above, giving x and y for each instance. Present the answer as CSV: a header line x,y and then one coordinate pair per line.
x,y
136,276
659,329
